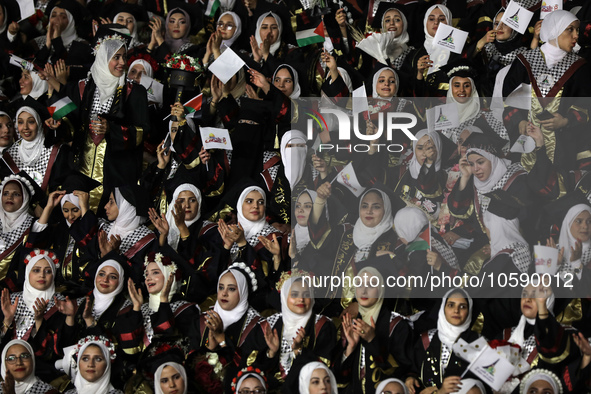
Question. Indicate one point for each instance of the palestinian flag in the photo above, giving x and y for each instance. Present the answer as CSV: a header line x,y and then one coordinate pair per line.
x,y
310,36
193,106
212,7
61,108
422,242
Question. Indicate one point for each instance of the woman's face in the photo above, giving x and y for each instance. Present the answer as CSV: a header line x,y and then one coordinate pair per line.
x,y
394,388
386,84
251,384
581,227
27,126
92,363
118,62
6,130
503,31
171,381
529,308
371,210
154,278
71,212
299,299
189,203
435,18
269,29
253,207
481,166
107,280
127,20
26,82
177,25
461,89
303,208
284,82
367,294
111,209
135,73
59,17
393,22
1,15
12,197
319,382
456,309
228,294
41,276
540,387
22,365
424,148
226,27
569,37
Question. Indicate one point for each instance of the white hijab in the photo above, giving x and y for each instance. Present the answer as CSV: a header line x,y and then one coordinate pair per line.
x,y
498,169
540,374
174,233
147,67
104,301
469,109
106,83
373,311
274,46
179,368
128,220
297,90
293,158
386,382
293,321
13,220
364,236
374,85
238,29
154,299
566,239
2,113
503,232
306,376
133,33
408,223
69,34
20,387
30,151
448,333
39,86
72,199
413,166
250,375
518,335
234,315
552,27
103,384
301,233
428,37
30,294
250,228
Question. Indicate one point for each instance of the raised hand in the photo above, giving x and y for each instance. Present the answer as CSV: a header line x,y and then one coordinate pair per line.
x,y
257,53
166,290
87,313
271,245
350,334
272,339
8,308
135,295
259,80
39,308
204,155
66,307
8,385
298,341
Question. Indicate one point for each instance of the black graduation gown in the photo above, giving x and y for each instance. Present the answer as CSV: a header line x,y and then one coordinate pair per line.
x,y
388,355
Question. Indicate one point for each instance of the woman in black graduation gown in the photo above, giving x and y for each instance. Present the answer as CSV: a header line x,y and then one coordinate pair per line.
x,y
47,165
435,362
227,35
229,329
73,201
160,315
111,120
378,342
294,332
7,133
559,79
22,370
